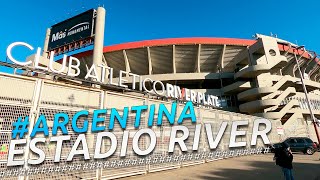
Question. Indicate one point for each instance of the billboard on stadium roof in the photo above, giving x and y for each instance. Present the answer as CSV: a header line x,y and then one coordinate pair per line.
x,y
72,30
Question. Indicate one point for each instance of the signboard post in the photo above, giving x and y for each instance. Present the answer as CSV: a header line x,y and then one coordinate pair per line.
x,y
280,130
99,38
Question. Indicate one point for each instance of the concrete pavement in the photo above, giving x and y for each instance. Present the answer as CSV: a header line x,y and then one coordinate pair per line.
x,y
260,167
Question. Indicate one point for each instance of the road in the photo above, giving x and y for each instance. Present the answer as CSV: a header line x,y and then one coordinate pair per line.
x,y
306,167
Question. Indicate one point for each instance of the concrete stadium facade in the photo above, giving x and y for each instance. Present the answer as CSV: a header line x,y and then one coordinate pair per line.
x,y
251,78
256,77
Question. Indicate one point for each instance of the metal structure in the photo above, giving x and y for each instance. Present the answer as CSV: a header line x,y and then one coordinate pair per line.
x,y
314,120
47,97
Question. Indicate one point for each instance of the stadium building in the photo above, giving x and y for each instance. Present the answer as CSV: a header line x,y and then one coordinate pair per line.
x,y
256,77
250,79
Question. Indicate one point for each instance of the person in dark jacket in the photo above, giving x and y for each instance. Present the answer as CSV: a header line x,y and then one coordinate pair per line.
x,y
284,157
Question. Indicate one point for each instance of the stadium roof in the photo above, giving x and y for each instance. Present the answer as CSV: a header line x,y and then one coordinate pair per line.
x,y
188,41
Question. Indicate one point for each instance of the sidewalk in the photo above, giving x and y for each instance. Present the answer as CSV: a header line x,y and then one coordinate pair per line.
x,y
249,167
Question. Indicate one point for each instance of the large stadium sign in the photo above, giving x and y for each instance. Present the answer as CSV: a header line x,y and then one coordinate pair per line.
x,y
71,30
188,113
73,70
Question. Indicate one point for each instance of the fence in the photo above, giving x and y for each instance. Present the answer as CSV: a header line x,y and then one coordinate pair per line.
x,y
22,96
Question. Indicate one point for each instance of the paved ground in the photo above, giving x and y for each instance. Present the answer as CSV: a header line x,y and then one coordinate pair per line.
x,y
249,167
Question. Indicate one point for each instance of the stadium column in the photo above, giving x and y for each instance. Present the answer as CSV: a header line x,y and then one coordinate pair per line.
x,y
99,38
149,61
197,64
174,59
126,61
34,114
46,43
45,53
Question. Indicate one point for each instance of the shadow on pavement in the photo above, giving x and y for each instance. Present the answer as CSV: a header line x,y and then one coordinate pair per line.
x,y
265,170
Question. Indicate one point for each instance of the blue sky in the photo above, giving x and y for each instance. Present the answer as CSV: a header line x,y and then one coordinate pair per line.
x,y
134,20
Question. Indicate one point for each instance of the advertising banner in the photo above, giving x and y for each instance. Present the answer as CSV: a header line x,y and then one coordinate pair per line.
x,y
71,30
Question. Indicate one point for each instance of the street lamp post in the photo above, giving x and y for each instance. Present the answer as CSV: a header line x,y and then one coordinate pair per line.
x,y
306,93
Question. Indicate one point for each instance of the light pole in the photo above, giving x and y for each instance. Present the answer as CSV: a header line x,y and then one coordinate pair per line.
x,y
305,91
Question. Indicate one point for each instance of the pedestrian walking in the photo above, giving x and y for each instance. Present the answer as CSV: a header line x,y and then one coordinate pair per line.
x,y
283,157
